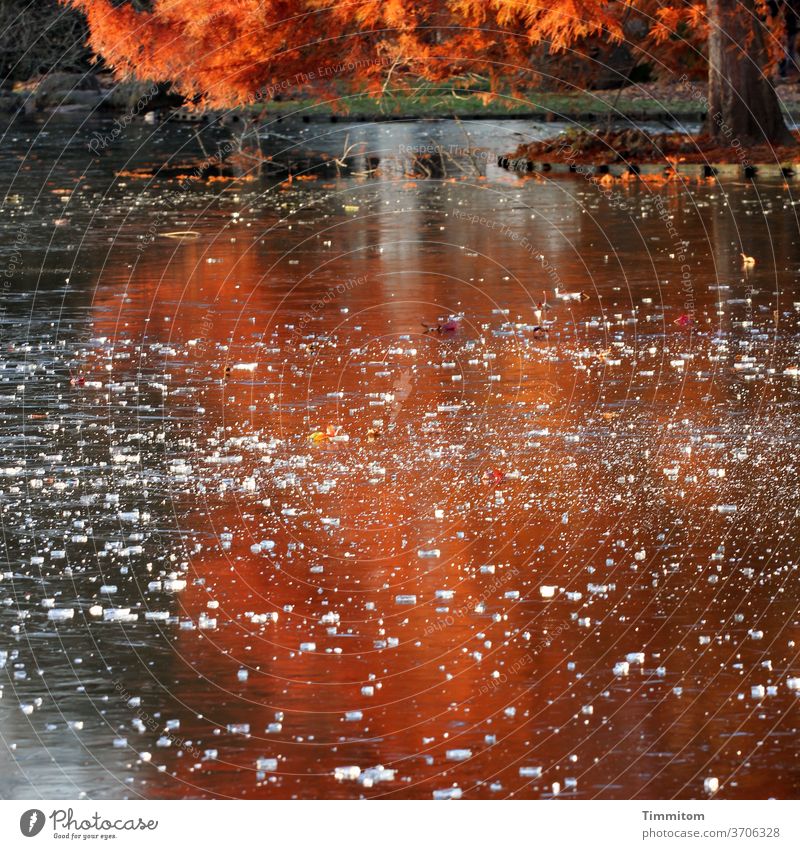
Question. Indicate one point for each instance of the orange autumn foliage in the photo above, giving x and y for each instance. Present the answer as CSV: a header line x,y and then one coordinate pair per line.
x,y
215,53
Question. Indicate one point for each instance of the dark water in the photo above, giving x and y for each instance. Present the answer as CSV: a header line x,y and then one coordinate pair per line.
x,y
560,564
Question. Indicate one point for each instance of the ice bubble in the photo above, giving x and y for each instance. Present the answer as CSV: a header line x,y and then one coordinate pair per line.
x,y
61,614
119,614
530,771
374,775
347,773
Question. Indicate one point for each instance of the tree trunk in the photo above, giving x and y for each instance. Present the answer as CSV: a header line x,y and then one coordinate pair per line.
x,y
743,107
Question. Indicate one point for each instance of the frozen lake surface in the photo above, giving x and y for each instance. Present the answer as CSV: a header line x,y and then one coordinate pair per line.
x,y
267,536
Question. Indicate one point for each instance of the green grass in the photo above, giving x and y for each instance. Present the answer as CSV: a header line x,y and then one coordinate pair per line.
x,y
447,104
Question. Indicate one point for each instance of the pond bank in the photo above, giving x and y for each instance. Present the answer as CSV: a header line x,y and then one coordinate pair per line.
x,y
635,151
672,103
